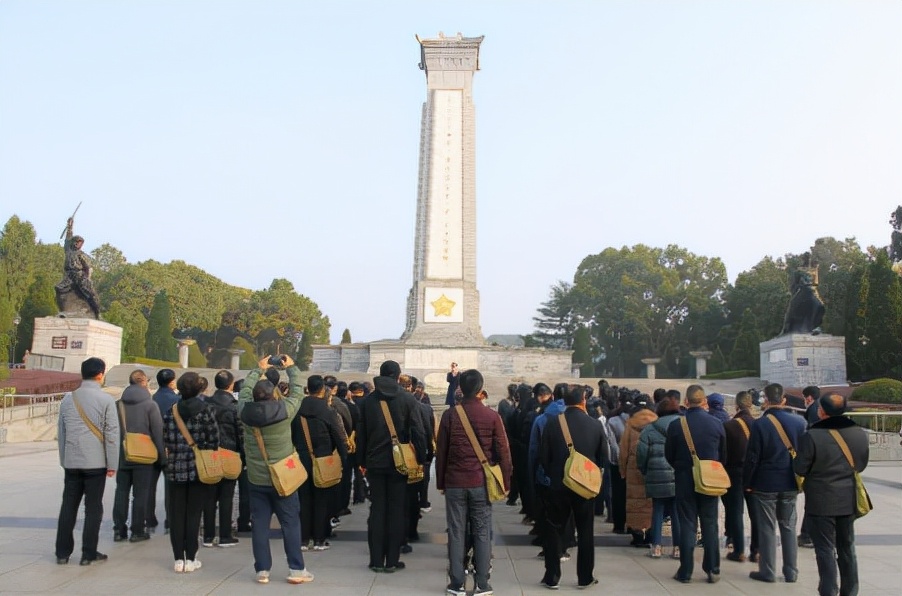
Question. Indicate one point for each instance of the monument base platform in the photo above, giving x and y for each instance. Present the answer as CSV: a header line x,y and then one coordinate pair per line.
x,y
431,364
64,343
799,360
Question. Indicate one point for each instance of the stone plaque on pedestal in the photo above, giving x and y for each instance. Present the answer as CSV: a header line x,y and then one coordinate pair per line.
x,y
800,359
68,342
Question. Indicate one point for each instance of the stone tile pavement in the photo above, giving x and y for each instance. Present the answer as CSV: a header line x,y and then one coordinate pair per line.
x,y
31,487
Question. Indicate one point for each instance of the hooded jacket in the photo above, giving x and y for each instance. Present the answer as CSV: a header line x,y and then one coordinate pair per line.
x,y
374,445
225,410
638,504
650,458
273,418
535,441
325,434
141,416
202,428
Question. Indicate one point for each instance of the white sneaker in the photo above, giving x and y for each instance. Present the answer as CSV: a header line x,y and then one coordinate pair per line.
x,y
179,566
192,565
299,576
263,577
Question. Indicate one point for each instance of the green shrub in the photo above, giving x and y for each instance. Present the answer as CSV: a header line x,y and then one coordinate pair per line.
x,y
880,391
195,358
158,363
732,374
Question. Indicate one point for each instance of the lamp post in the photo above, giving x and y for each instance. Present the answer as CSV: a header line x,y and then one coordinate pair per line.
x,y
16,320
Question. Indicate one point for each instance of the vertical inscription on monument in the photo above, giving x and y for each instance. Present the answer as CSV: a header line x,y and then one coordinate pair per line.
x,y
444,252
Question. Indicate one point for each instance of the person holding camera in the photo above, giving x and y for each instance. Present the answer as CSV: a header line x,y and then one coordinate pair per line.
x,y
262,408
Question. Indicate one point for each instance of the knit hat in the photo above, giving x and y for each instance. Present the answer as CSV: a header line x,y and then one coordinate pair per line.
x,y
715,401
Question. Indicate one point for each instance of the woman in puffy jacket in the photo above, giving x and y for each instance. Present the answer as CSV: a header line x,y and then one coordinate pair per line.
x,y
638,505
659,483
187,494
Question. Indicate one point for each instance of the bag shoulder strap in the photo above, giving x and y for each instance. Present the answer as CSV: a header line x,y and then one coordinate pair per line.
x,y
688,435
783,437
307,440
93,427
566,430
181,424
389,421
844,446
744,427
259,436
480,454
122,413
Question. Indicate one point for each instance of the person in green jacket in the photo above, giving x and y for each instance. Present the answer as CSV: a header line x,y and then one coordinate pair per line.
x,y
261,406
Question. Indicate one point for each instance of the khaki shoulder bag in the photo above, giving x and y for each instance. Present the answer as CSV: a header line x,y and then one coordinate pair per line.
x,y
137,447
326,470
800,480
710,476
403,455
494,479
287,474
581,474
206,461
863,504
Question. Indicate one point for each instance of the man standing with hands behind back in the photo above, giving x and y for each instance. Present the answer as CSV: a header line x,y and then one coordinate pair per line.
x,y
88,436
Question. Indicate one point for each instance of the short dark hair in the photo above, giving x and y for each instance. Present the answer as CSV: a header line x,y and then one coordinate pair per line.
x,y
355,386
223,379
342,389
315,384
695,395
560,390
812,391
666,406
540,389
272,375
774,393
833,404
391,369
330,381
575,396
92,367
659,395
137,376
239,384
190,384
674,394
165,376
471,382
744,400
263,390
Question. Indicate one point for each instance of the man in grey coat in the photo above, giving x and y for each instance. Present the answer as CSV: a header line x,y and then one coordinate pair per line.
x,y
88,436
830,493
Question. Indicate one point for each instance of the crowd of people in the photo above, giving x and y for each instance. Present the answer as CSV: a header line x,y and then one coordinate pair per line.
x,y
385,437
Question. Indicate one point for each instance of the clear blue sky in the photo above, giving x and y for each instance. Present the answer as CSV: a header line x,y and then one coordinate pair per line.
x,y
280,139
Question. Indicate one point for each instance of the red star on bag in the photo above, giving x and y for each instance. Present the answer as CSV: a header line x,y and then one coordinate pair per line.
x,y
290,464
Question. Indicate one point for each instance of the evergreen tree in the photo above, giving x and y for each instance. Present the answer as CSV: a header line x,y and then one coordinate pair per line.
x,y
746,348
159,343
346,336
39,302
305,352
895,246
879,347
582,352
134,330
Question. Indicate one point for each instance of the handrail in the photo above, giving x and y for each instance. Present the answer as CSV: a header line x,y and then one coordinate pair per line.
x,y
35,406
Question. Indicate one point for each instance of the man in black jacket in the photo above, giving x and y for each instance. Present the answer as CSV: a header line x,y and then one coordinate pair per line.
x,y
830,492
589,440
231,436
388,487
738,430
692,507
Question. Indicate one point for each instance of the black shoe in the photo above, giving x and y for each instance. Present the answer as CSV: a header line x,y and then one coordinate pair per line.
x,y
139,537
713,578
98,558
536,541
375,569
62,560
406,549
549,584
758,576
227,542
618,531
588,585
400,565
682,580
737,557
119,538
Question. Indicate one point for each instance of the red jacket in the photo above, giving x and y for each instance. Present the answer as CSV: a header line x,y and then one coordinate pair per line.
x,y
456,464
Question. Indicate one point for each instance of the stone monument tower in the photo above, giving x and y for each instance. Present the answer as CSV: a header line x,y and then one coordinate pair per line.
x,y
443,305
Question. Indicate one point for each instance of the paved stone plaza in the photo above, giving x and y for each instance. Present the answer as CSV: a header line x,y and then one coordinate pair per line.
x,y
31,486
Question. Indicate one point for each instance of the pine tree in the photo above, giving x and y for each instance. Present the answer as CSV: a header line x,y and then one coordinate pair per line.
x,y
39,302
159,343
582,352
305,352
346,336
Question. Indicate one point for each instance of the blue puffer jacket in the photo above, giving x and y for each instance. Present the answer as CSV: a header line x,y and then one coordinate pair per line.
x,y
651,461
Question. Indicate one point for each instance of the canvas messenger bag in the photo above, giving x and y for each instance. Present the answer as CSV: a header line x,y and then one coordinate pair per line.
x,y
710,476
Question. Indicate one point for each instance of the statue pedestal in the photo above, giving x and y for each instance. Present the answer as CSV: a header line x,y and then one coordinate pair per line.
x,y
799,360
64,343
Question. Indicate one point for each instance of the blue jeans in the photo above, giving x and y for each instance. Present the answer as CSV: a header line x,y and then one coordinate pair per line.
x,y
264,502
773,510
463,507
659,506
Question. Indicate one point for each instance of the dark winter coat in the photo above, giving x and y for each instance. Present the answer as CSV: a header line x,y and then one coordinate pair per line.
x,y
141,416
707,435
638,504
737,441
202,428
225,410
829,481
456,463
588,439
768,464
325,433
651,461
374,446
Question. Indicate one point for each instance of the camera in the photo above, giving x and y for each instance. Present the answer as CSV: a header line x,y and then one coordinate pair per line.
x,y
276,360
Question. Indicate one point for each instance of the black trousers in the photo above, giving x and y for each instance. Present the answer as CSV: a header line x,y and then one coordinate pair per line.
x,y
834,546
693,509
527,486
562,506
77,484
412,509
244,502
346,481
423,493
317,507
135,480
618,499
359,485
186,505
152,521
221,495
733,503
385,530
